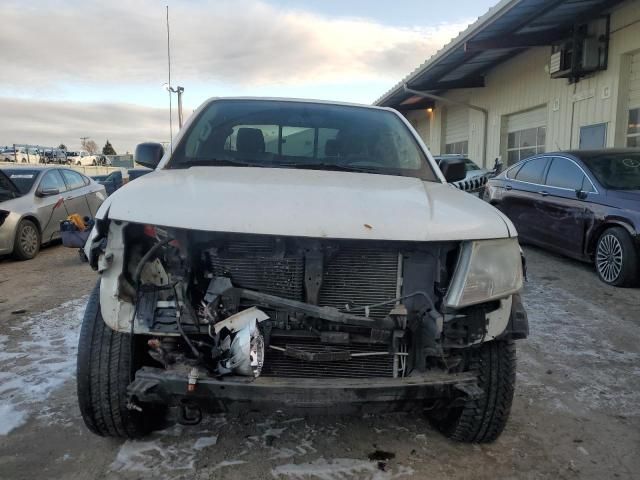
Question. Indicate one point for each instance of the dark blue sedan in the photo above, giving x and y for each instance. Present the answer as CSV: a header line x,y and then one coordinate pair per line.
x,y
583,204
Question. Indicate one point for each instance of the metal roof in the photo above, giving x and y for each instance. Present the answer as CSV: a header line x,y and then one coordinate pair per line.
x,y
507,29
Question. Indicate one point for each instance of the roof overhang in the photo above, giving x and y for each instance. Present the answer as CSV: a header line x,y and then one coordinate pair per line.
x,y
507,29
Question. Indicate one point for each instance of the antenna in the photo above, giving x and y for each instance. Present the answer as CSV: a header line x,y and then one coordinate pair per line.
x,y
169,91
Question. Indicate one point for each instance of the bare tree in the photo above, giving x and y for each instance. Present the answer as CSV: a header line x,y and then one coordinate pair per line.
x,y
90,146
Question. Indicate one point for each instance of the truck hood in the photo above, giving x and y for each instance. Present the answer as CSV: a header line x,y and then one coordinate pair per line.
x,y
306,203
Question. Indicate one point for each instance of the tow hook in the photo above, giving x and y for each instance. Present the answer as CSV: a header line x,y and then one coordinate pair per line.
x,y
189,414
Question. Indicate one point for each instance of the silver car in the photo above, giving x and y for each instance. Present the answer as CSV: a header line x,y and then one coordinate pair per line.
x,y
33,202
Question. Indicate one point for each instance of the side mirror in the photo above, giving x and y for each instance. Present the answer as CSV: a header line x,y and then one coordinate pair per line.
x,y
149,154
48,192
580,194
453,169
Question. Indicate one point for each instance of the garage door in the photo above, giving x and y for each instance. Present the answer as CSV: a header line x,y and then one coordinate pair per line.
x,y
456,130
633,128
526,134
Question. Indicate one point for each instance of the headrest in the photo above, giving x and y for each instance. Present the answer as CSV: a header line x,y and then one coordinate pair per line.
x,y
250,140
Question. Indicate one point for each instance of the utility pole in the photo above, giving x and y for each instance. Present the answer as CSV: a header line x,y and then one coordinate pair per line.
x,y
83,140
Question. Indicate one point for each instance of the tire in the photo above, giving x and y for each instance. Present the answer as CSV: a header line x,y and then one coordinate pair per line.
x,y
616,258
27,242
483,419
103,374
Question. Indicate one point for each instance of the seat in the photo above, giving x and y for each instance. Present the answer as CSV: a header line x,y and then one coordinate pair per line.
x,y
250,141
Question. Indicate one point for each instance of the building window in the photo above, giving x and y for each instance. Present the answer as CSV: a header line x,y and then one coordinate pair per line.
x,y
633,129
525,143
461,148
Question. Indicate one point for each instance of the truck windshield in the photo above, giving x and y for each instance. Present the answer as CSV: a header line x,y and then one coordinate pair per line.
x,y
271,133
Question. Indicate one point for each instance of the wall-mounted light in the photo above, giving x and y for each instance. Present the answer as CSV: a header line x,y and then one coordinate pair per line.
x,y
429,110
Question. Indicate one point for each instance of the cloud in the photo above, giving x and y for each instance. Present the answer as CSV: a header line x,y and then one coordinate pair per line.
x,y
49,123
244,42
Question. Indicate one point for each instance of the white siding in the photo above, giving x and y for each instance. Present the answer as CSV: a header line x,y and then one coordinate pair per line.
x,y
456,124
529,119
634,82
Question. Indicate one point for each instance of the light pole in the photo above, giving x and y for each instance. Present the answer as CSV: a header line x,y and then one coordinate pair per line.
x,y
179,90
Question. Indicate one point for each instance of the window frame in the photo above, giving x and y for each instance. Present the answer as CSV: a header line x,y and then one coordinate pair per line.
x,y
54,171
546,172
635,135
69,188
519,148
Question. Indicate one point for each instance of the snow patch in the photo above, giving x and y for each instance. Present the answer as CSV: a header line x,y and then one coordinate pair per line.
x,y
37,361
338,469
10,418
204,442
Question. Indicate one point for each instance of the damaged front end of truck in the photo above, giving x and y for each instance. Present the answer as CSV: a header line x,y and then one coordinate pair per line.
x,y
224,320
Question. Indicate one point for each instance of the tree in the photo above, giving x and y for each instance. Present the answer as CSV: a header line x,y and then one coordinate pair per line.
x,y
108,149
62,146
90,146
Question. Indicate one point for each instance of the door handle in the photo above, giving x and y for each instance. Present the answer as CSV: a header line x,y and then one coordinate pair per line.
x,y
543,193
508,187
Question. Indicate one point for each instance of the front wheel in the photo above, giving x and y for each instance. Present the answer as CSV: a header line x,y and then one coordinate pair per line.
x,y
482,419
616,258
27,243
104,370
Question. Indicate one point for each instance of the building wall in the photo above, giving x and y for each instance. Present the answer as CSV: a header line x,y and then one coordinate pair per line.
x,y
523,83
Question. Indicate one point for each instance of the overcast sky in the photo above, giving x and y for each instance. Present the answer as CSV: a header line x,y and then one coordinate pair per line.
x,y
73,68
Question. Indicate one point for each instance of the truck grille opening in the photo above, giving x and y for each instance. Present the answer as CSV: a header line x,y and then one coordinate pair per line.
x,y
354,275
276,364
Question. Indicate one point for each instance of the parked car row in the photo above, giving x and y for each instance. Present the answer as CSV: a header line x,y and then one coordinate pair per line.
x,y
33,202
20,154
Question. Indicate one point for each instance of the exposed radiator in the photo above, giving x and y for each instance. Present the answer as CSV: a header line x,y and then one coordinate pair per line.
x,y
355,274
276,364
260,264
361,276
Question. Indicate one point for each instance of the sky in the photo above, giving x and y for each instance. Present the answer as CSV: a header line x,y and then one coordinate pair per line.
x,y
74,68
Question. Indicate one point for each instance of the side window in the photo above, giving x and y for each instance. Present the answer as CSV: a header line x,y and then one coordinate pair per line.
x,y
564,173
532,171
52,179
72,179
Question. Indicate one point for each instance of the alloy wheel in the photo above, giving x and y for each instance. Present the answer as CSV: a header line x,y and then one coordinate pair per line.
x,y
609,258
29,239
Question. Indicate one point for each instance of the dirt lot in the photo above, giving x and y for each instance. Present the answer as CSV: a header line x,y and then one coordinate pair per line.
x,y
576,413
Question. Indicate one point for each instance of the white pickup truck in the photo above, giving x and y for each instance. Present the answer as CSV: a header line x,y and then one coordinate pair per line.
x,y
300,255
82,157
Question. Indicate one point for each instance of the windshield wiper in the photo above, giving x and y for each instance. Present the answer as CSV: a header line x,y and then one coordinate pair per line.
x,y
219,162
328,166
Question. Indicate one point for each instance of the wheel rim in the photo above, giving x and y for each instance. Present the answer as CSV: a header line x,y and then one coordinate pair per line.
x,y
29,240
609,258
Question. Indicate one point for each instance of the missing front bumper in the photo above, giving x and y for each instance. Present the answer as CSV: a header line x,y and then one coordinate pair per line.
x,y
317,395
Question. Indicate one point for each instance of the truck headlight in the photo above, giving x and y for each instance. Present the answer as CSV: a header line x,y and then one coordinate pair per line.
x,y
486,270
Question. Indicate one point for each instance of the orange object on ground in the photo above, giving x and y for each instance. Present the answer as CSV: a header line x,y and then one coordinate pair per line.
x,y
77,221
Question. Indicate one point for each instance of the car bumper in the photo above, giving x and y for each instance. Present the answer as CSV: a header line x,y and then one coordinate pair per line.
x,y
308,395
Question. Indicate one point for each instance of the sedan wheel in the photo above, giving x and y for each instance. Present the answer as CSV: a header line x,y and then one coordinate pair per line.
x,y
27,243
616,258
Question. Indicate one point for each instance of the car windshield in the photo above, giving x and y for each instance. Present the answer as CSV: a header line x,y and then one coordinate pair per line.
x,y
616,171
287,134
22,178
470,166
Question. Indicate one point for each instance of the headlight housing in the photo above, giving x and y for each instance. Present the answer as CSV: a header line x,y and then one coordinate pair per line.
x,y
486,270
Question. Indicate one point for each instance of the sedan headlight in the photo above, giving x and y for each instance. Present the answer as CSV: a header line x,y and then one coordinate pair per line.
x,y
486,270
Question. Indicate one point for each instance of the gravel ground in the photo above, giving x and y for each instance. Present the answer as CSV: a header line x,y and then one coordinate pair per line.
x,y
576,413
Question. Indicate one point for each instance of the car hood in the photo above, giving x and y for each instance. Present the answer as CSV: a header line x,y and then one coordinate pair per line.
x,y
305,203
